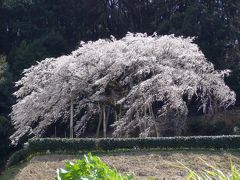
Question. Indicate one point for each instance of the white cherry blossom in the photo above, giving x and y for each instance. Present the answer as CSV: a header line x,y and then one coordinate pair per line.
x,y
142,83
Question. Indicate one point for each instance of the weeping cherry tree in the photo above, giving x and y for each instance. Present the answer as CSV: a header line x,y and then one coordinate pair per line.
x,y
139,85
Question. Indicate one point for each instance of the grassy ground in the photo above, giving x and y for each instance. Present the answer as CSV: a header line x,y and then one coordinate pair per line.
x,y
12,172
143,163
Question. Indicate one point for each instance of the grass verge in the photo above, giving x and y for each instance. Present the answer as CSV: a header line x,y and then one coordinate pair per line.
x,y
158,163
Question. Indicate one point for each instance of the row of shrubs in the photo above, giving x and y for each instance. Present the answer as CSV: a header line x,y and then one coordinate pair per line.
x,y
38,145
215,142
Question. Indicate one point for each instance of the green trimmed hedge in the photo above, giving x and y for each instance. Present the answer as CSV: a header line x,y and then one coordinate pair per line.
x,y
78,144
37,145
60,144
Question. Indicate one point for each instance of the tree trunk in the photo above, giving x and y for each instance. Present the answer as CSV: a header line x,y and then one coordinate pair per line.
x,y
154,120
99,121
104,123
55,131
156,127
107,118
116,115
71,118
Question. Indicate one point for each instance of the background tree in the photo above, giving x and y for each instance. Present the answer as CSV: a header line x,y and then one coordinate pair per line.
x,y
31,30
5,101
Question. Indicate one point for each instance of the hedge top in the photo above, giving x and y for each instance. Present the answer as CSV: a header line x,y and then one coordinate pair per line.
x,y
63,144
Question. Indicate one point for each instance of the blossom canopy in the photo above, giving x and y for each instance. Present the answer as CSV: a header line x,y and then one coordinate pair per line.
x,y
144,83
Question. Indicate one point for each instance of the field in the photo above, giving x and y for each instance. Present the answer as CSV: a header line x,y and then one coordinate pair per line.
x,y
143,163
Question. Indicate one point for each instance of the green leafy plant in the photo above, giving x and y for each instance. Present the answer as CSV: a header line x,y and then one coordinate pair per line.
x,y
89,168
212,173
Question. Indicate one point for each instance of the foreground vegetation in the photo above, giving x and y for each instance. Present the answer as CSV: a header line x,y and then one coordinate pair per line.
x,y
142,164
93,168
89,168
211,172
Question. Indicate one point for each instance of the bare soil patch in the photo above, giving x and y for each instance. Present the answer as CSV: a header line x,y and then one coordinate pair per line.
x,y
144,164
